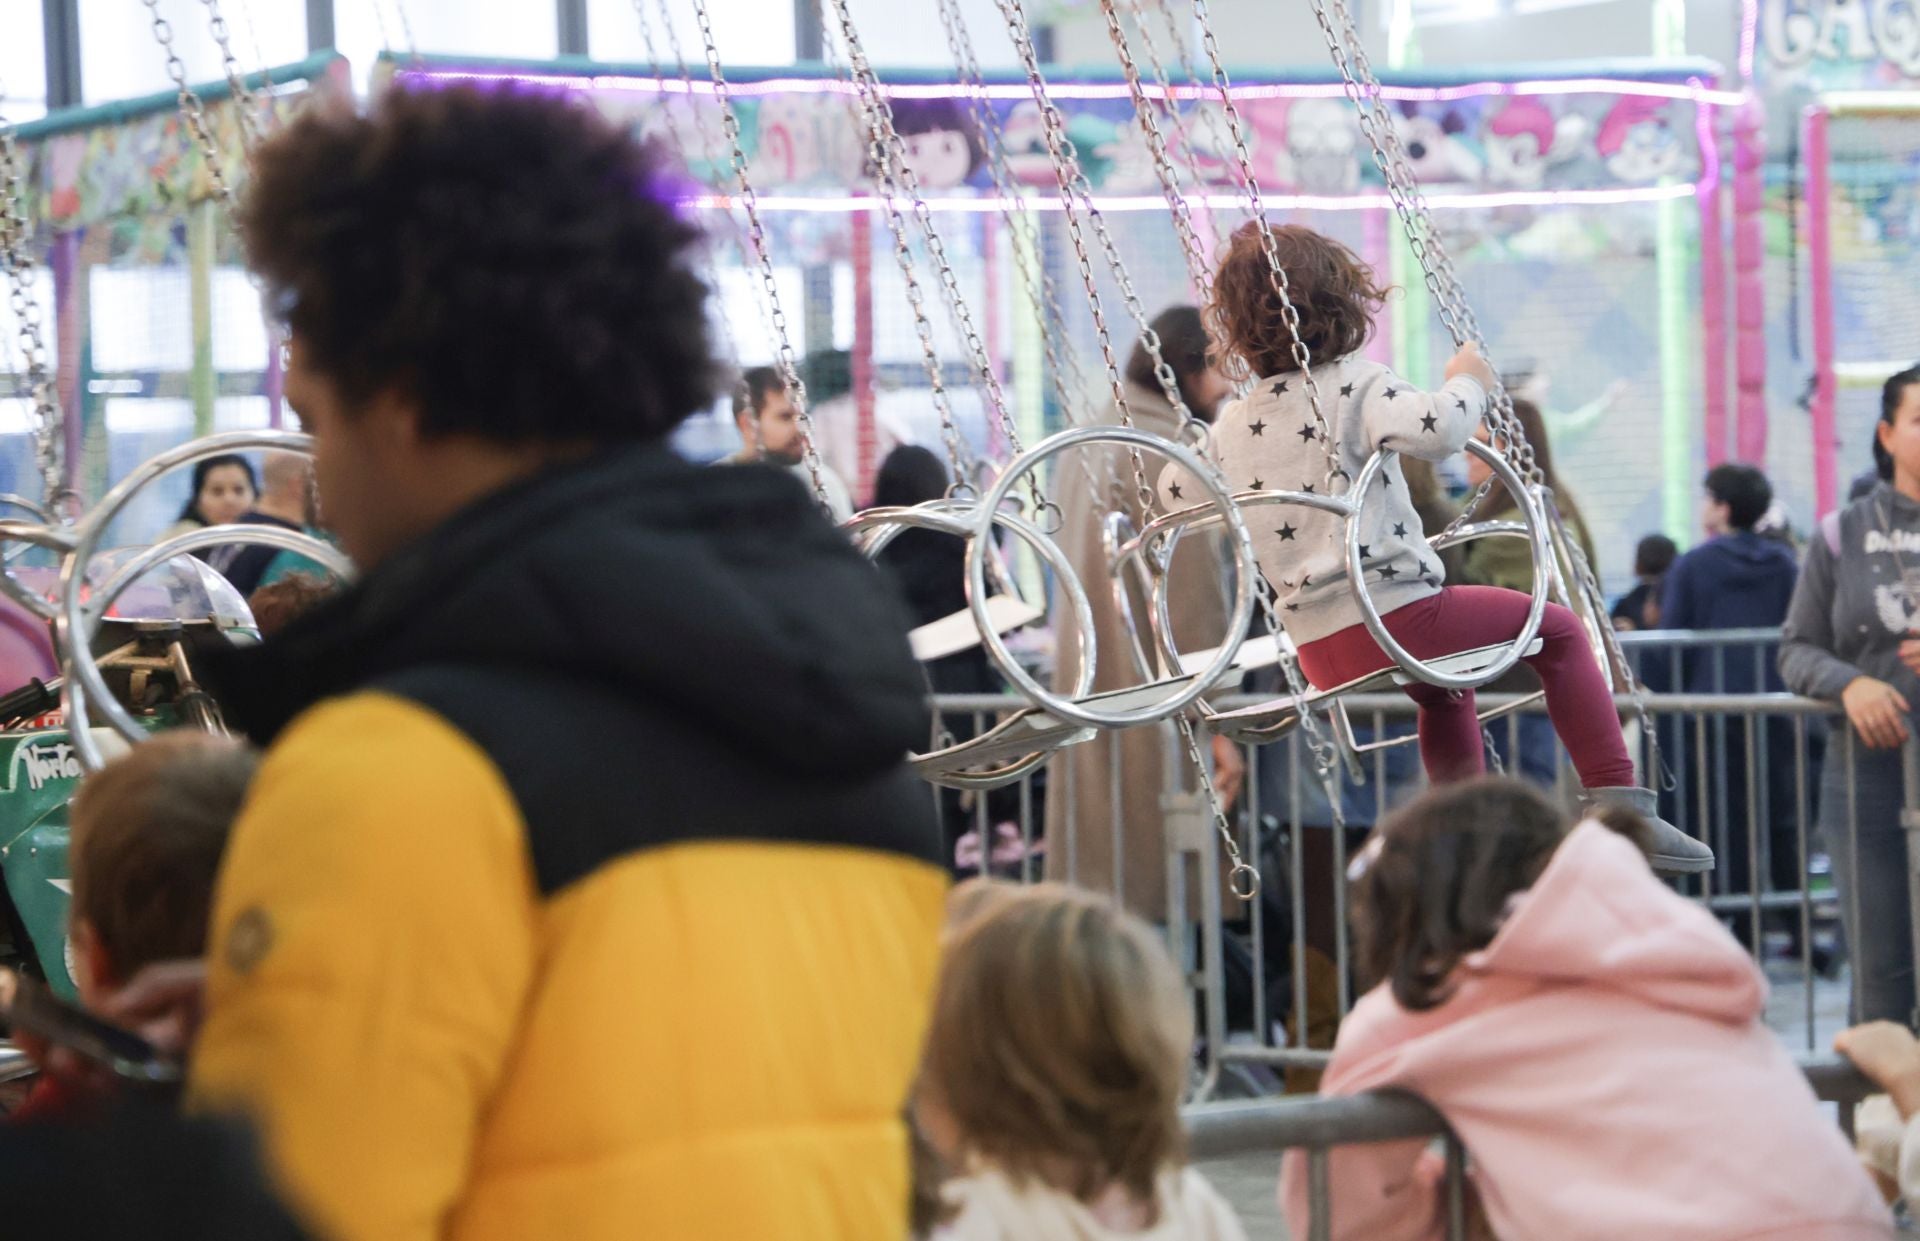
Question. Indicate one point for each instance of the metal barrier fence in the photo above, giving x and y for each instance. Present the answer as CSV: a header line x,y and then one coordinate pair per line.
x,y
1274,975
1317,1125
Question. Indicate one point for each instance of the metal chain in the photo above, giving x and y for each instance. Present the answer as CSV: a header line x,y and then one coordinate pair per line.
x,y
787,361
1389,154
245,102
890,150
192,110
1074,187
1170,109
887,164
709,144
708,260
1183,54
1442,281
1062,360
1163,168
16,250
1336,478
1243,877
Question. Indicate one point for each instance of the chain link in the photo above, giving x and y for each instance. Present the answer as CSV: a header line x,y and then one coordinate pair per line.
x,y
246,103
1075,188
787,361
16,250
1143,111
1063,361
896,178
1389,155
192,110
1336,478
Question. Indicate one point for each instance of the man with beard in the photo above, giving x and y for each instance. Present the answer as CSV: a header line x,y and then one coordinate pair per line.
x,y
769,425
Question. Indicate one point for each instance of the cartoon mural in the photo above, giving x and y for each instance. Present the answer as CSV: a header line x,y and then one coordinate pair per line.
x,y
810,140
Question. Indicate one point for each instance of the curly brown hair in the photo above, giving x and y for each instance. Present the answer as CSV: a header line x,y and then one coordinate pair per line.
x,y
509,258
1332,289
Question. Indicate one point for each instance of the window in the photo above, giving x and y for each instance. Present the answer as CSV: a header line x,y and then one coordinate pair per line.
x,y
747,32
1446,12
23,66
120,57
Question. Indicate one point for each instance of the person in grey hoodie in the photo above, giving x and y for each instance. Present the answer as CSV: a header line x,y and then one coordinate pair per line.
x,y
1853,636
1279,436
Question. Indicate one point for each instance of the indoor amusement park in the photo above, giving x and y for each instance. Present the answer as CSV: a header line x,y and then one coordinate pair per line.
x,y
967,620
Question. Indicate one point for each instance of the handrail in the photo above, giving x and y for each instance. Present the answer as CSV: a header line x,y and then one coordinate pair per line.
x,y
1400,704
1218,1129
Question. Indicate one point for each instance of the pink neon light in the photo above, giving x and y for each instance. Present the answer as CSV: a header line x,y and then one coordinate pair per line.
x,y
838,204
1097,90
1749,35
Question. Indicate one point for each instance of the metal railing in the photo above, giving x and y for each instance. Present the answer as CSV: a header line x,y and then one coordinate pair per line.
x,y
1274,975
1317,1125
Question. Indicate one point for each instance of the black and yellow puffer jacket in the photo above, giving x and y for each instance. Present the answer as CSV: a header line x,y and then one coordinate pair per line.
x,y
583,894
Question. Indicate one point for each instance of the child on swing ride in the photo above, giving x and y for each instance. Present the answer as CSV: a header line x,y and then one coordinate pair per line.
x,y
1271,439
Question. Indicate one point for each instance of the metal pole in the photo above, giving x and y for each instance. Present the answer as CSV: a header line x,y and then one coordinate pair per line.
x,y
61,31
320,35
1826,477
570,16
809,32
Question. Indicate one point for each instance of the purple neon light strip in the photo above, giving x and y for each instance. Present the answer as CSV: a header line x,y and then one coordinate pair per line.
x,y
840,204
1097,90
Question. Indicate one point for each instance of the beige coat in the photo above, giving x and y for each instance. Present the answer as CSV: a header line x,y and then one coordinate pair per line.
x,y
1081,845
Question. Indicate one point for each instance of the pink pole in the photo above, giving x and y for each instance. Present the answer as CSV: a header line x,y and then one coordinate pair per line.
x,y
1713,291
64,260
866,434
1826,483
1749,282
1376,240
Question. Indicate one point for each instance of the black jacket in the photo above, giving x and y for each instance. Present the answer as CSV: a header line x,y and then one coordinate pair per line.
x,y
705,634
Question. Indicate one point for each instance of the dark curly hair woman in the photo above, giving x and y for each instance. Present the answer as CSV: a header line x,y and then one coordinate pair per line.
x,y
590,796
1314,431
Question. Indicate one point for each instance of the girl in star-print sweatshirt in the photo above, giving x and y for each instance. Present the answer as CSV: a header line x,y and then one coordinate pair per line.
x,y
1271,439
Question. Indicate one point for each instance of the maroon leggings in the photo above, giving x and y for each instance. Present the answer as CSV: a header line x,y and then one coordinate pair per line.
x,y
1461,618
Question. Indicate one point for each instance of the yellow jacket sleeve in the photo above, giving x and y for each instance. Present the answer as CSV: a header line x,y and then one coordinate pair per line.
x,y
373,939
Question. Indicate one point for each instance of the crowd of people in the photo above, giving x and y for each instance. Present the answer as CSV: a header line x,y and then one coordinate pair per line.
x,y
568,881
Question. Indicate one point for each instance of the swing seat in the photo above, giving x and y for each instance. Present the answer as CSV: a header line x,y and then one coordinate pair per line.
x,y
1021,735
1267,722
952,634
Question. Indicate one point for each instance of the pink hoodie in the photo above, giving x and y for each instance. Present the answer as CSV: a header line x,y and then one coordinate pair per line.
x,y
1604,1063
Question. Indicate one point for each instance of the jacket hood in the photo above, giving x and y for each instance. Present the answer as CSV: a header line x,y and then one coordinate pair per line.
x,y
1598,915
1750,550
719,594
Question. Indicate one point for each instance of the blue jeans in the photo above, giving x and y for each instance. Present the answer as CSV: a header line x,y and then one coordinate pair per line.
x,y
1870,874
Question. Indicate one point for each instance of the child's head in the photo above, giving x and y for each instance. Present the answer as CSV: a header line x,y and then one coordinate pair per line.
x,y
1060,1041
1435,879
147,834
1332,289
1653,556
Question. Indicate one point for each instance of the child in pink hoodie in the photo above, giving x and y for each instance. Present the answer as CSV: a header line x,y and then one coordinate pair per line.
x,y
1592,1037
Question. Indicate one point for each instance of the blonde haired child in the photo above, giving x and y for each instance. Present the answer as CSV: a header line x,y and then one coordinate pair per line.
x,y
1054,1071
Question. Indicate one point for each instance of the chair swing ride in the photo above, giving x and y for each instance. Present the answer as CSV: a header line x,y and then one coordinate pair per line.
x,y
129,664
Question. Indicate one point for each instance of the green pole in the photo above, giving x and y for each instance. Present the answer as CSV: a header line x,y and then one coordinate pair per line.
x,y
202,239
1676,256
1413,317
1029,369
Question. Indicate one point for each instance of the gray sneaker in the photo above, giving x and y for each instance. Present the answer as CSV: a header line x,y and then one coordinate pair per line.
x,y
1674,852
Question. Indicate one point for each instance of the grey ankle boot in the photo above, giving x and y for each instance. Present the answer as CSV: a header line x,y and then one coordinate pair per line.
x,y
1674,852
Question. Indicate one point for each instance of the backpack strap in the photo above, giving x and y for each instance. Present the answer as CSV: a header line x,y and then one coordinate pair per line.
x,y
1830,531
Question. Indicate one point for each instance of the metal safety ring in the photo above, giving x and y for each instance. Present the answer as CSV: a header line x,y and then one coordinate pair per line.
x,y
1536,603
1065,708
